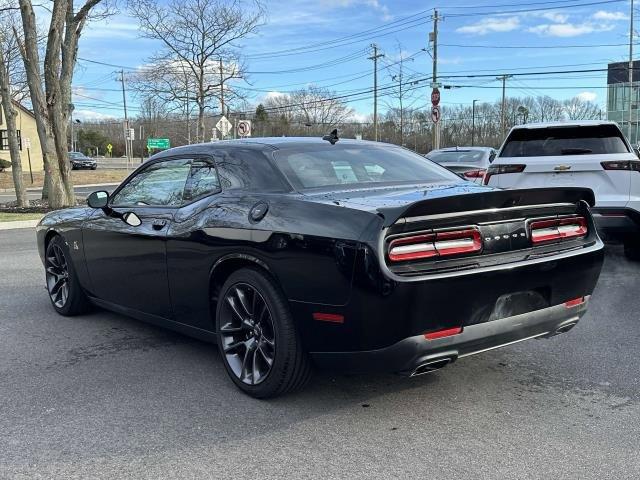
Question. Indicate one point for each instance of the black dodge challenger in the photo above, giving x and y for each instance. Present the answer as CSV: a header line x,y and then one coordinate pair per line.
x,y
349,255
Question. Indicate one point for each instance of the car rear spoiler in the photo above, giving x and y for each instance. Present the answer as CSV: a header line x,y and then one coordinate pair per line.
x,y
496,199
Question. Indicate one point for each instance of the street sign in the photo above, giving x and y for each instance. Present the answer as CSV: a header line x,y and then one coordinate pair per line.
x,y
224,126
109,148
435,97
27,142
131,134
244,128
435,114
159,143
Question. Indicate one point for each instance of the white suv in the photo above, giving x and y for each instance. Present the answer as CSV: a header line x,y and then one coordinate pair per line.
x,y
591,154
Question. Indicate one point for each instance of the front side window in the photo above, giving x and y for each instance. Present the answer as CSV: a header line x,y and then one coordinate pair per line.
x,y
320,165
160,184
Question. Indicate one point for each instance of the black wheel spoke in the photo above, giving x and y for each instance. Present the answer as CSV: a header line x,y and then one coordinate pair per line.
x,y
247,333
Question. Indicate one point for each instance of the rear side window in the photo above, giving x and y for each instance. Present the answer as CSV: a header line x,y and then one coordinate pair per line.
x,y
557,141
459,156
247,169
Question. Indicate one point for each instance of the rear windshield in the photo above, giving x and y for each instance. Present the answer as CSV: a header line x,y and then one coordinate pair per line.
x,y
580,140
460,156
319,165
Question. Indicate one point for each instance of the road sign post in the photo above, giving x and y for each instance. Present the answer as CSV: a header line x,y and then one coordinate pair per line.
x,y
27,143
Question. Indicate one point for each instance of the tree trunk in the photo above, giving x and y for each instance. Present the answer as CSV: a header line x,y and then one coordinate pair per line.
x,y
53,182
14,147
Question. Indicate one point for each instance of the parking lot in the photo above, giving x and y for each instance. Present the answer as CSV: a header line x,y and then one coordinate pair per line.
x,y
104,396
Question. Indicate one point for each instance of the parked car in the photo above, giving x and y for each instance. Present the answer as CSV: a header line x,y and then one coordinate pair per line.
x,y
592,154
469,162
350,255
80,160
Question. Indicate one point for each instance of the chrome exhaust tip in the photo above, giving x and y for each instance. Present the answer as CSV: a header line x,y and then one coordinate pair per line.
x,y
432,366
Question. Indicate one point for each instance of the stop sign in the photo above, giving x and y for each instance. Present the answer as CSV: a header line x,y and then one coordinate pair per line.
x,y
435,97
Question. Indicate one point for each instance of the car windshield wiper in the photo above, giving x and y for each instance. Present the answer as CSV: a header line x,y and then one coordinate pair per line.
x,y
575,151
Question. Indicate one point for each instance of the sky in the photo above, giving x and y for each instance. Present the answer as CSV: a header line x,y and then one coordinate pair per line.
x,y
476,37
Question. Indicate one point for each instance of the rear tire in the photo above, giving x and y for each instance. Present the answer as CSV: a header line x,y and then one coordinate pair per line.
x,y
259,343
63,286
632,247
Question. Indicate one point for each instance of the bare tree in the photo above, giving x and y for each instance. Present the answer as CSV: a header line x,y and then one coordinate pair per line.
x,y
50,85
200,39
578,109
10,77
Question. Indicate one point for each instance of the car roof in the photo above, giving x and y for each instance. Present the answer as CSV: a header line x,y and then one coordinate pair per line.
x,y
274,143
462,149
567,123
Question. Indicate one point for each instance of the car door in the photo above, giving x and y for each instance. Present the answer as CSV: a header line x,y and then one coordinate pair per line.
x,y
127,262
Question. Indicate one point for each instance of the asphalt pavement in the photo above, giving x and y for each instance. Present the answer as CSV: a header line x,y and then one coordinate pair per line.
x,y
105,396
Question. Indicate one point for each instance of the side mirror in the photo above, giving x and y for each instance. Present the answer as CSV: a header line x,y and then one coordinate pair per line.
x,y
98,199
132,219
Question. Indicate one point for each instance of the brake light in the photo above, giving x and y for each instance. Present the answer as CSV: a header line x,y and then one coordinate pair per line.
x,y
500,169
575,302
543,231
474,173
631,165
439,244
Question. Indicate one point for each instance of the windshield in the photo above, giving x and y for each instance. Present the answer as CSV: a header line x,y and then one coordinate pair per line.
x,y
459,156
319,165
575,140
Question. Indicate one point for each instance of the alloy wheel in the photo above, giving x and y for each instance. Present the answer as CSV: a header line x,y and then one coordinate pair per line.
x,y
247,333
57,276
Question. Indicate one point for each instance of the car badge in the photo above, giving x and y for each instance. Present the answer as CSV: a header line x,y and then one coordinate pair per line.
x,y
562,168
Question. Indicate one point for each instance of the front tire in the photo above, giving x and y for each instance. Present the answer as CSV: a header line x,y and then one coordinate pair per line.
x,y
65,291
257,337
632,247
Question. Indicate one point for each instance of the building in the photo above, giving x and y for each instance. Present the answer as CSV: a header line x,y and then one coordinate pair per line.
x,y
27,139
618,98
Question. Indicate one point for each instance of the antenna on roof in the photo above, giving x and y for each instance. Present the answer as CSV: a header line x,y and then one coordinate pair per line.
x,y
332,138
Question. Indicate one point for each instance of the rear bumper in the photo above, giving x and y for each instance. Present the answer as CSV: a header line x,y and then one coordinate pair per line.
x,y
614,221
407,355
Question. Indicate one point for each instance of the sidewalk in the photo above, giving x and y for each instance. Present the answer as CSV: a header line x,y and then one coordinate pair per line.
x,y
12,225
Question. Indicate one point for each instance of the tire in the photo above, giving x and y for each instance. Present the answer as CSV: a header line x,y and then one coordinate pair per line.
x,y
253,325
632,247
68,299
94,167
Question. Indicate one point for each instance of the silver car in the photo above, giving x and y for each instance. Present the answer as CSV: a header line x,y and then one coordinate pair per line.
x,y
469,162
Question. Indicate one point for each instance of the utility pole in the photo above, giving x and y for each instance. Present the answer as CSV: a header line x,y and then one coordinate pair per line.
x,y
434,78
375,57
503,109
630,68
473,121
221,88
126,118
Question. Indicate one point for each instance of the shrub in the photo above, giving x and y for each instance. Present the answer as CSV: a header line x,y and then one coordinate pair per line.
x,y
4,164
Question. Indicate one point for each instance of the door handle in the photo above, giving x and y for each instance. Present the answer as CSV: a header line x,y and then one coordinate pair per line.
x,y
159,224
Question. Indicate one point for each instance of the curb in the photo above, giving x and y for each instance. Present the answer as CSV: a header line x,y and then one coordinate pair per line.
x,y
38,189
18,224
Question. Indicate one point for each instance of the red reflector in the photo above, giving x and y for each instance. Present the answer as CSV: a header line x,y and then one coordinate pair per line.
x,y
438,244
328,317
448,332
474,174
574,302
557,229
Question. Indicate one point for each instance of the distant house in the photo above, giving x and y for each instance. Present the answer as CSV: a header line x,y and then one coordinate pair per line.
x,y
27,136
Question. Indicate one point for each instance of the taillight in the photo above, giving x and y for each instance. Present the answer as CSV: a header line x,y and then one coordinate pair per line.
x,y
438,244
631,165
474,173
500,169
553,230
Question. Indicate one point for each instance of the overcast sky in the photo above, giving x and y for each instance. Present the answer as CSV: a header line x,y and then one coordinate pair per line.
x,y
469,36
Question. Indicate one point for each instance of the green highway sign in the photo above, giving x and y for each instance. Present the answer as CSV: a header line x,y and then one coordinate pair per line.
x,y
159,143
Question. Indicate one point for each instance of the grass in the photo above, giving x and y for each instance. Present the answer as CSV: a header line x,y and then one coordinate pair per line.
x,y
13,217
80,177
